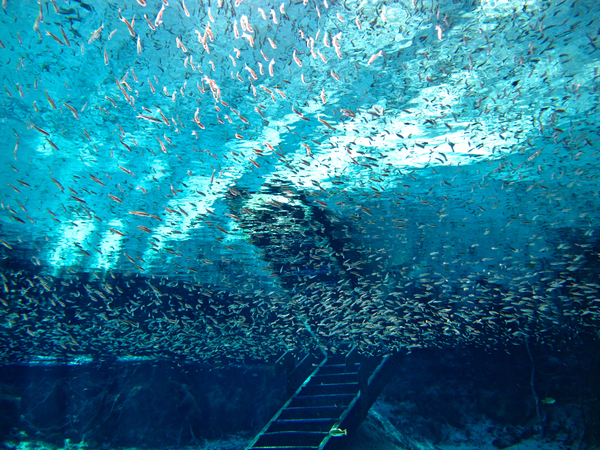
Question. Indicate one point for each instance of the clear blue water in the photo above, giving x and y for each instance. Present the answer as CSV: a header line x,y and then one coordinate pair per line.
x,y
215,183
410,174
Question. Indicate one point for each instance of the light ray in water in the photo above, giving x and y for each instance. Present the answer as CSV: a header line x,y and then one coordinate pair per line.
x,y
207,182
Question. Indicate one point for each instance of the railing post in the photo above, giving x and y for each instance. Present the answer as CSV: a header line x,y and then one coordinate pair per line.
x,y
351,359
363,384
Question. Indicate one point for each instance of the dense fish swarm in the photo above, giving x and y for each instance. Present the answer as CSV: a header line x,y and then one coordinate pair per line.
x,y
231,179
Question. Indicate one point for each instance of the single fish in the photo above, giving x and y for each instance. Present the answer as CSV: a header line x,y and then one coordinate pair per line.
x,y
338,432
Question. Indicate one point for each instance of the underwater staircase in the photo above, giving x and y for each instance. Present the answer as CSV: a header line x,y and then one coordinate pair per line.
x,y
336,394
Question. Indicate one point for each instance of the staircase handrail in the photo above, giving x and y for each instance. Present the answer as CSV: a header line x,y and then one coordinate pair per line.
x,y
276,416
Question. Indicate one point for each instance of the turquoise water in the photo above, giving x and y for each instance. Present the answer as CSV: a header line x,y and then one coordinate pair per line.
x,y
216,183
203,182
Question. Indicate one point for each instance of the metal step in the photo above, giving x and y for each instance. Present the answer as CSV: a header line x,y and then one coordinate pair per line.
x,y
335,395
312,424
322,400
291,438
332,378
337,368
330,389
325,412
285,447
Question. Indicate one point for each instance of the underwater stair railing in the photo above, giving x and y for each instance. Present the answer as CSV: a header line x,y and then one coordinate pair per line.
x,y
297,370
371,380
336,395
266,428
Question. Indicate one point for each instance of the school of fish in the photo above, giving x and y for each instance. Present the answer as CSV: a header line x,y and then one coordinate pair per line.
x,y
227,180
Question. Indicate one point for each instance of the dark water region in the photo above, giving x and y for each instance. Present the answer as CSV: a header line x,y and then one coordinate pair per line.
x,y
190,189
474,398
134,404
451,398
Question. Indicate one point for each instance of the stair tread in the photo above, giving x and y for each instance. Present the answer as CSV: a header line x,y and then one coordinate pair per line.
x,y
304,423
338,369
291,438
321,400
324,395
295,432
313,409
330,374
330,389
302,408
316,419
283,447
328,412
